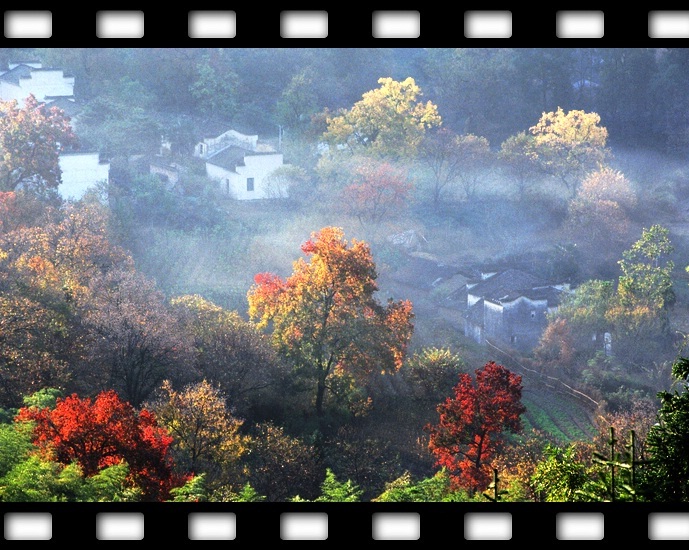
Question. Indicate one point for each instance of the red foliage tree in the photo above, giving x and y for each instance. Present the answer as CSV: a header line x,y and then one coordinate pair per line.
x,y
378,190
103,432
471,422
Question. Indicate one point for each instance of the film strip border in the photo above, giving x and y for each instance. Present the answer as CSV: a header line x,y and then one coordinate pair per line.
x,y
342,26
270,523
454,523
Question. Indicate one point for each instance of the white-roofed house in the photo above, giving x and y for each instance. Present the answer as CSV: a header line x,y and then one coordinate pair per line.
x,y
242,166
46,84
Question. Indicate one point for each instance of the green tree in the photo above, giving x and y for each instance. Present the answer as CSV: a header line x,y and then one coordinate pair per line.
x,y
432,372
37,479
647,270
46,397
545,77
478,89
389,121
562,475
194,490
298,101
517,155
645,296
333,490
437,488
247,494
584,311
636,311
475,158
119,121
215,90
666,476
627,95
15,445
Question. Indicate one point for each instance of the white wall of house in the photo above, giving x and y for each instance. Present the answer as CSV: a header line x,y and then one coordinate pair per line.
x,y
248,182
42,83
209,146
80,171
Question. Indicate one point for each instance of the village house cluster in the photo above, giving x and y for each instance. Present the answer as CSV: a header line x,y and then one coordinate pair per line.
x,y
239,163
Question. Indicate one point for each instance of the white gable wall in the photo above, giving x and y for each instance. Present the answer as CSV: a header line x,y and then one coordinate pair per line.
x,y
209,146
42,83
236,183
80,171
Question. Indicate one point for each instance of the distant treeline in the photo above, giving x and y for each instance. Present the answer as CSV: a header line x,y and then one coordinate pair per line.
x,y
640,93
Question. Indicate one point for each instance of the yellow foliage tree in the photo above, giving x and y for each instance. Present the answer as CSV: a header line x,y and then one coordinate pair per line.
x,y
568,145
389,121
207,436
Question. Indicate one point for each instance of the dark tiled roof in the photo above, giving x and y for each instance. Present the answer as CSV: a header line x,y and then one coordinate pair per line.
x,y
13,75
511,284
506,283
70,108
422,272
229,158
551,294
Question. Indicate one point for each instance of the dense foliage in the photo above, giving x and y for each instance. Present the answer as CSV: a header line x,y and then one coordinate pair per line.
x,y
162,342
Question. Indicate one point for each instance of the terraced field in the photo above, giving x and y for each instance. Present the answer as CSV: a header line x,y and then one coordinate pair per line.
x,y
564,417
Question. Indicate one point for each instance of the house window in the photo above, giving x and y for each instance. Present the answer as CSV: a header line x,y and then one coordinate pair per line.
x,y
227,186
249,184
533,314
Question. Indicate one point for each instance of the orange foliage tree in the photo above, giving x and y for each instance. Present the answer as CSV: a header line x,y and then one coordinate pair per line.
x,y
468,431
45,272
105,431
31,140
325,318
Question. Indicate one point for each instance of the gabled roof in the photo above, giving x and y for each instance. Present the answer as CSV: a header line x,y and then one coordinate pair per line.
x,y
23,70
228,158
70,107
15,74
512,284
506,283
423,272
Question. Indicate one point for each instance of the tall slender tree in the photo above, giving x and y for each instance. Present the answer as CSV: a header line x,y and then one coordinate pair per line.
x,y
471,422
325,318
